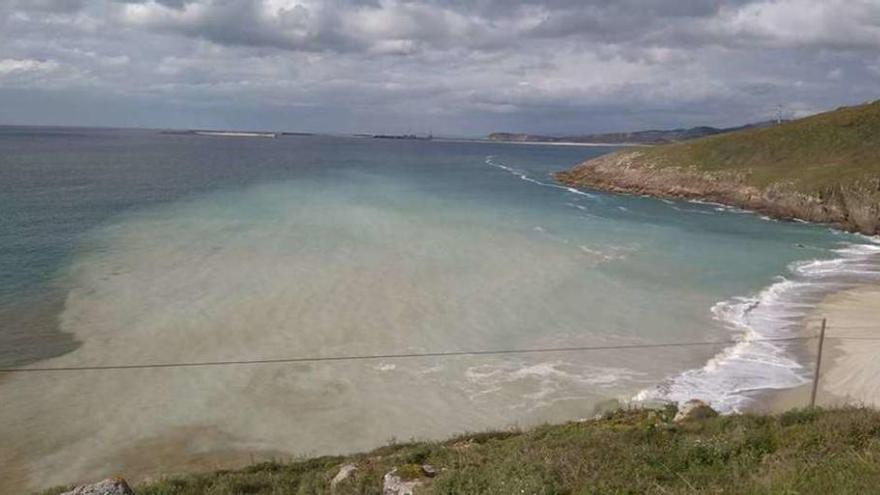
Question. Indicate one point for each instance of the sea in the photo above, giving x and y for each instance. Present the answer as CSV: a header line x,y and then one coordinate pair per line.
x,y
196,292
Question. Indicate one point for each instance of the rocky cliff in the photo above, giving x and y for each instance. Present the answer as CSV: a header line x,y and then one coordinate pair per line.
x,y
852,206
824,168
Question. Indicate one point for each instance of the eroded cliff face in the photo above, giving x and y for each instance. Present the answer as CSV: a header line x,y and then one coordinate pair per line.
x,y
853,206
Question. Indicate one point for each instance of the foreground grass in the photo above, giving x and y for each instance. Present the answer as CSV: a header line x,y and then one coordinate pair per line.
x,y
807,451
812,154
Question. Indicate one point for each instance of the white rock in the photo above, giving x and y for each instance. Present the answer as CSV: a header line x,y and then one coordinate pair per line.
x,y
429,470
694,409
344,473
112,486
394,485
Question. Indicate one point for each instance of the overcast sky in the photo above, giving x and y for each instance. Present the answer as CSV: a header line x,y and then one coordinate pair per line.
x,y
456,67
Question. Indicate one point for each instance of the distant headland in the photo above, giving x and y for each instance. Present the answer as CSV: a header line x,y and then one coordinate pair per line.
x,y
824,168
636,137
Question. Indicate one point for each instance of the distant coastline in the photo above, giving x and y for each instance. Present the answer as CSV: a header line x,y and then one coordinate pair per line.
x,y
564,143
223,133
541,143
633,138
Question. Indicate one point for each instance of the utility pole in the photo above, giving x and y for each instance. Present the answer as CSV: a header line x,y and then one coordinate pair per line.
x,y
818,365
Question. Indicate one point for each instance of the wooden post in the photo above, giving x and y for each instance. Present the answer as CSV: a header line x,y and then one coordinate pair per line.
x,y
818,365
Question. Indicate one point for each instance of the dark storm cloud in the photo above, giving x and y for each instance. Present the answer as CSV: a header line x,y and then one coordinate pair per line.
x,y
453,65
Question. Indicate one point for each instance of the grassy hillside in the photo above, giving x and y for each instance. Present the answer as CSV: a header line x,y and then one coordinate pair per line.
x,y
824,168
800,452
811,153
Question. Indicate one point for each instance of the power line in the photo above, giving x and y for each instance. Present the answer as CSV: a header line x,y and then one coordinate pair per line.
x,y
391,356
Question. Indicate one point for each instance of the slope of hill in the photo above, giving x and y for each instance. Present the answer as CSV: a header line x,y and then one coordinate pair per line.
x,y
806,451
823,168
636,137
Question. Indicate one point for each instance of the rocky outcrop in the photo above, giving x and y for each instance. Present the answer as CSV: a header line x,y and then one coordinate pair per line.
x,y
404,480
694,410
112,486
429,470
394,484
345,473
853,206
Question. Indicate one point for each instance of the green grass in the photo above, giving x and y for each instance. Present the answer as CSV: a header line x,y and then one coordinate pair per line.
x,y
812,154
626,452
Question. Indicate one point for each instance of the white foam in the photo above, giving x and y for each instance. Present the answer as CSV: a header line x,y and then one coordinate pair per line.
x,y
693,210
490,160
534,385
777,312
719,206
608,253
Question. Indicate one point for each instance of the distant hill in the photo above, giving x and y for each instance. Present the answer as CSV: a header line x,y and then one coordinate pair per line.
x,y
823,168
636,137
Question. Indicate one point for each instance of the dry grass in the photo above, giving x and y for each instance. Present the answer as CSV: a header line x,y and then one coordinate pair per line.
x,y
813,153
640,451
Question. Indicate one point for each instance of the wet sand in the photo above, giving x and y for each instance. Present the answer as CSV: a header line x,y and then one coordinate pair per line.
x,y
850,370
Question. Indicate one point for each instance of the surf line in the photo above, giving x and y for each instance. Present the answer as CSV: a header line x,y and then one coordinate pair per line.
x,y
490,160
780,310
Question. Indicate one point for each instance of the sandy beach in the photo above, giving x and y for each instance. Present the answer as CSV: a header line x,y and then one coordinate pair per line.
x,y
850,370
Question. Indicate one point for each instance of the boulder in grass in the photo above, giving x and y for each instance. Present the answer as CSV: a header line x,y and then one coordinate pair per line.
x,y
429,470
393,484
345,472
112,486
694,410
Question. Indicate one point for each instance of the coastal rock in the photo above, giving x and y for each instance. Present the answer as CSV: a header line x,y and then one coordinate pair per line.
x,y
694,410
429,470
853,206
112,486
393,484
345,472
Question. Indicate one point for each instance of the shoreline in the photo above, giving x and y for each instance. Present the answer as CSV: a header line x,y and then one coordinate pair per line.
x,y
571,143
848,377
849,374
845,290
851,208
544,143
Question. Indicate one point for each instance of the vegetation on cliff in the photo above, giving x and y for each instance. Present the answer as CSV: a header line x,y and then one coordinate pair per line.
x,y
636,451
823,168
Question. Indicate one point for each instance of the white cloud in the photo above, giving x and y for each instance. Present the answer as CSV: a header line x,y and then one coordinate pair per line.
x,y
831,24
21,66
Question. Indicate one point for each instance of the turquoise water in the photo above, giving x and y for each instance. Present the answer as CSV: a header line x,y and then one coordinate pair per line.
x,y
133,247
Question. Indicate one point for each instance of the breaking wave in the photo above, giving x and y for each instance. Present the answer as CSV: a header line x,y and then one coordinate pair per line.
x,y
491,161
779,311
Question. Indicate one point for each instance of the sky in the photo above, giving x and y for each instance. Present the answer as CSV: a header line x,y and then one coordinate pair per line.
x,y
453,67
